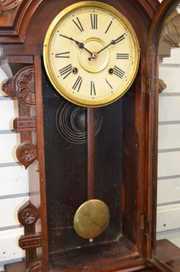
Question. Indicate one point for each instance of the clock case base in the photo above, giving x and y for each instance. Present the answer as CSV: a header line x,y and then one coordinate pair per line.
x,y
166,252
21,35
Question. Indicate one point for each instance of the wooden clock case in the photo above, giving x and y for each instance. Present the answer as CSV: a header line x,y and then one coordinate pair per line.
x,y
130,153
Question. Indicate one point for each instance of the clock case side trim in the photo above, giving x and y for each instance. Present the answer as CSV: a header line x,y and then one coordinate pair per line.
x,y
152,83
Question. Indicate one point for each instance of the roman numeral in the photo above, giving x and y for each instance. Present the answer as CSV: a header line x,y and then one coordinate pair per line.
x,y
66,71
77,84
63,55
109,84
122,56
118,72
93,88
94,21
110,24
77,22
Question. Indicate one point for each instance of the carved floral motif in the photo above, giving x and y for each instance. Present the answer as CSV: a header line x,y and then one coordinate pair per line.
x,y
26,154
28,214
24,85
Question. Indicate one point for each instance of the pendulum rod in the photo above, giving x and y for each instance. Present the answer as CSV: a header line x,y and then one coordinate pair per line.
x,y
93,216
91,153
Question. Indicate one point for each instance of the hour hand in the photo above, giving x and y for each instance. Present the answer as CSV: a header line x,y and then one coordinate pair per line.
x,y
79,44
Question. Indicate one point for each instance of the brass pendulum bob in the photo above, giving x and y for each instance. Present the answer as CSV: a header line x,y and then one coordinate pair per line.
x,y
93,216
91,219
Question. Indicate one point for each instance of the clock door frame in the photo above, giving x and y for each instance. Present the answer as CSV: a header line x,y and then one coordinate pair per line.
x,y
22,42
163,251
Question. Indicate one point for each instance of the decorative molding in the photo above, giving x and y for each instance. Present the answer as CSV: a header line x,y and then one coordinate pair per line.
x,y
30,241
15,26
24,124
7,5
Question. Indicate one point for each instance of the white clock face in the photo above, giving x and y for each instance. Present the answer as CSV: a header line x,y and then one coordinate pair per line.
x,y
91,54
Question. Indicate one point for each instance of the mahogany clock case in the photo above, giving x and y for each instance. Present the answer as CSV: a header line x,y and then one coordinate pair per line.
x,y
123,161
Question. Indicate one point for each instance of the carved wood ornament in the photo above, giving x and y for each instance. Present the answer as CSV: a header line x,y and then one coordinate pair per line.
x,y
28,215
7,5
23,27
22,87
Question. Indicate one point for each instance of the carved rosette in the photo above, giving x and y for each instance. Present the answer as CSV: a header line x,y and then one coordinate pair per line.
x,y
26,154
28,214
7,5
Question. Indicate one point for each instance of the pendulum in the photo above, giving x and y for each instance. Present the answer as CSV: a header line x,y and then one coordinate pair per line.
x,y
92,217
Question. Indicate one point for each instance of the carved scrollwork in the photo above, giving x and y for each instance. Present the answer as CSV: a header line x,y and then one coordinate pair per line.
x,y
26,154
24,85
28,214
6,5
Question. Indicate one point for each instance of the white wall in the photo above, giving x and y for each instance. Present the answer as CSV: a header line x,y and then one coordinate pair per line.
x,y
168,218
14,183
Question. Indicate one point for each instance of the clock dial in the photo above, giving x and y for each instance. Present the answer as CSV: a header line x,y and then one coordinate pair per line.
x,y
91,54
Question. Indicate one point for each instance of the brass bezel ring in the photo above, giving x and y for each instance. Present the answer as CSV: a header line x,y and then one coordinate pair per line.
x,y
47,62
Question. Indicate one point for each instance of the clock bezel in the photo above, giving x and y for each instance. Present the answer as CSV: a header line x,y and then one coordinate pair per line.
x,y
47,63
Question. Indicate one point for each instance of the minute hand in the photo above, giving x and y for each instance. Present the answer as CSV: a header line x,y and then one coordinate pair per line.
x,y
113,42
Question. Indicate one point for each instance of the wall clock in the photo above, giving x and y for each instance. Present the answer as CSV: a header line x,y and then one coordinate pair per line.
x,y
91,56
91,53
94,142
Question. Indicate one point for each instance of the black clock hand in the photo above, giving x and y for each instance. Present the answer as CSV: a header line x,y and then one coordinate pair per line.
x,y
113,42
79,44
